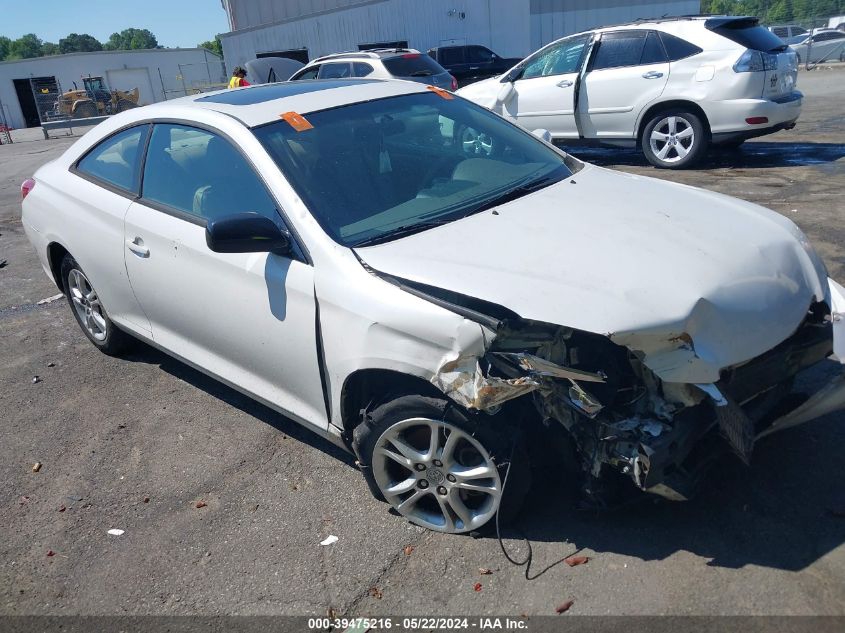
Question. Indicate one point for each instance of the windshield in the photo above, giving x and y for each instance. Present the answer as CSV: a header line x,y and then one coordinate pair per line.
x,y
378,170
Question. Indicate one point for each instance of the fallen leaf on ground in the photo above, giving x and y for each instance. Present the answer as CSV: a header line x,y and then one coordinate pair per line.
x,y
572,561
408,549
200,504
50,552
484,571
146,499
564,607
62,508
376,593
477,586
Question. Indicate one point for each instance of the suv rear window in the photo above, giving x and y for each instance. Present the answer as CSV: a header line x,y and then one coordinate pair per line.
x,y
746,32
412,65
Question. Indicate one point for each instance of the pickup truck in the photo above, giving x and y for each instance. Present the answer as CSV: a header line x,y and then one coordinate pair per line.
x,y
471,62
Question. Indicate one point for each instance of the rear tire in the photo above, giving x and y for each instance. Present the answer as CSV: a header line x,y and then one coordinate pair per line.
x,y
89,313
675,139
84,110
440,467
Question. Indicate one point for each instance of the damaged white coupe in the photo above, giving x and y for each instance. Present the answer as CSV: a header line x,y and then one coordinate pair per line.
x,y
440,306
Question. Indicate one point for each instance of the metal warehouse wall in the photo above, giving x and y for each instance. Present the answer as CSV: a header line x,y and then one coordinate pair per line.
x,y
512,28
123,70
552,19
503,25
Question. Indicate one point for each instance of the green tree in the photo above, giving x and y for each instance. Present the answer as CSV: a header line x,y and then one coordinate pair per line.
x,y
25,47
49,48
131,39
215,46
76,43
5,46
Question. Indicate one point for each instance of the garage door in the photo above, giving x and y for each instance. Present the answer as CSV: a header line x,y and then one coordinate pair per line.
x,y
130,78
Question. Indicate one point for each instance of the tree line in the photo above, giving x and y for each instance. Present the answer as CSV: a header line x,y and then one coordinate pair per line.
x,y
777,11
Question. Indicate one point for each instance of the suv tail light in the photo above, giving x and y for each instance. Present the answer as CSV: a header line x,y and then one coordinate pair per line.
x,y
755,61
27,186
454,83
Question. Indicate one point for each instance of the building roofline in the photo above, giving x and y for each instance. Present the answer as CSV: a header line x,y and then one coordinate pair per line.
x,y
124,52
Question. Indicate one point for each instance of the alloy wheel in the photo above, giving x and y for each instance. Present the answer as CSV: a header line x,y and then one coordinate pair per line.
x,y
87,305
436,475
672,139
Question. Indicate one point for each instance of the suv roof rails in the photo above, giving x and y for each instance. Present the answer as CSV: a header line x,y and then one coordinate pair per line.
x,y
346,55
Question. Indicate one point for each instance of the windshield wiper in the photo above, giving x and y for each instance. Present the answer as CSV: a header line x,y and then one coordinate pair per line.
x,y
401,231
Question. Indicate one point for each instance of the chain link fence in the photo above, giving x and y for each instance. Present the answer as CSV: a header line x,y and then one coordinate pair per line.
x,y
193,79
5,130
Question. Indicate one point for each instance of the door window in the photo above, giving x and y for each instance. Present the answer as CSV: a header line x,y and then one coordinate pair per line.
x,y
451,55
558,59
335,71
200,174
310,73
616,50
479,55
117,159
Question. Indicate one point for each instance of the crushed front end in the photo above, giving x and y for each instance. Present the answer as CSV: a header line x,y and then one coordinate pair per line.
x,y
625,422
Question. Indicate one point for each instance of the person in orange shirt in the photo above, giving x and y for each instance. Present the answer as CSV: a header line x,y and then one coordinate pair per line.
x,y
238,79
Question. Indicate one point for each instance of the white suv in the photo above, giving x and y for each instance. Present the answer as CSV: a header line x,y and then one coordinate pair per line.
x,y
379,63
671,86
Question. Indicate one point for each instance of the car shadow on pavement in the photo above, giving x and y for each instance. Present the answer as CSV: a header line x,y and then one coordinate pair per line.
x,y
786,511
751,155
149,355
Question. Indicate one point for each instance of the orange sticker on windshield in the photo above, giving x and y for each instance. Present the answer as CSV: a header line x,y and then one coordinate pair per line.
x,y
296,121
443,93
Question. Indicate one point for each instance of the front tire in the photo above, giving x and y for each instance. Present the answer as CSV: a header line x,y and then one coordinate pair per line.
x,y
674,139
441,468
89,312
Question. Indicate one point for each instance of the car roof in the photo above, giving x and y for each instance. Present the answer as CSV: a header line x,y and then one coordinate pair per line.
x,y
256,105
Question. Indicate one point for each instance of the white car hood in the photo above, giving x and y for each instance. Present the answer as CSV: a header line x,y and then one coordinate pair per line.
x,y
693,280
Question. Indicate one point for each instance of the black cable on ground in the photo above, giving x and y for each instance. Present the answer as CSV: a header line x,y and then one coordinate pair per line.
x,y
530,557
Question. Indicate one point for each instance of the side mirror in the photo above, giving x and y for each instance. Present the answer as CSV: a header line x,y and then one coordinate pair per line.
x,y
505,92
542,134
246,233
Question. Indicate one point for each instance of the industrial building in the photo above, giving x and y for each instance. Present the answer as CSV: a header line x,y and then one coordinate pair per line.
x,y
158,74
305,29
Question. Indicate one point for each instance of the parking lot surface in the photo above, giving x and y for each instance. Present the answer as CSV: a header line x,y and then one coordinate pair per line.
x,y
224,503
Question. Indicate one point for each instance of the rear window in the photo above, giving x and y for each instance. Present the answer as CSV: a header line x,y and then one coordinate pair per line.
x,y
746,32
412,65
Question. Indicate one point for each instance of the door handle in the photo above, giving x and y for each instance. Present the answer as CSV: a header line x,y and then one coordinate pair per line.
x,y
137,247
652,74
473,67
565,83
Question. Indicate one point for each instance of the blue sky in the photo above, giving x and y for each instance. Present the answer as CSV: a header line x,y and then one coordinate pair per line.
x,y
175,23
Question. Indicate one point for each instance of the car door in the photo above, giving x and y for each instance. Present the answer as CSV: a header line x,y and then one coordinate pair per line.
x,y
827,46
545,86
626,72
247,318
110,176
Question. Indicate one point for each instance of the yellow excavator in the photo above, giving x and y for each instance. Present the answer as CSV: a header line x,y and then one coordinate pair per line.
x,y
95,99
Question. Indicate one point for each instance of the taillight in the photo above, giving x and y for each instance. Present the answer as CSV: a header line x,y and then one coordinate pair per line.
x,y
27,186
454,84
755,61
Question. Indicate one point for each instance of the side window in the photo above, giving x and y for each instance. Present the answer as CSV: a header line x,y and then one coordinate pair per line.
x,y
781,31
117,160
361,69
653,52
335,71
615,50
479,55
558,59
310,73
201,174
677,48
450,55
